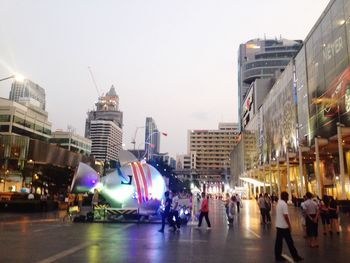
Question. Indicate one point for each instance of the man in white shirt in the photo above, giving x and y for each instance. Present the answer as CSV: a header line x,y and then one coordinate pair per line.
x,y
175,208
283,227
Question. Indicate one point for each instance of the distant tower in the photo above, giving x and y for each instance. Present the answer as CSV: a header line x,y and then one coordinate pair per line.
x,y
104,127
152,138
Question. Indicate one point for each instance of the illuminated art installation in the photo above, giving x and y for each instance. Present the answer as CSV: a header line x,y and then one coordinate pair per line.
x,y
133,185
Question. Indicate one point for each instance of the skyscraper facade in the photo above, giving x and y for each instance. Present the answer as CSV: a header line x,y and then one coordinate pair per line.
x,y
27,92
261,59
104,127
152,138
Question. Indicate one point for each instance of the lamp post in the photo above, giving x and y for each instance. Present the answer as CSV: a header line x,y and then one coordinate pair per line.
x,y
17,77
147,141
134,138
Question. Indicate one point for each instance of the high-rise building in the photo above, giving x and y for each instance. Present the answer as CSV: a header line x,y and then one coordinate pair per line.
x,y
261,59
27,92
209,150
104,127
152,138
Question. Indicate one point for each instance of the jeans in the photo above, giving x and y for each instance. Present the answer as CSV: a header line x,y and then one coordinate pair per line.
x,y
204,214
165,215
284,233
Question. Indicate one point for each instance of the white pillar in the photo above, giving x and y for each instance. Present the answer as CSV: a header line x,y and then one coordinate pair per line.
x,y
301,189
264,176
288,177
270,179
318,177
341,161
278,178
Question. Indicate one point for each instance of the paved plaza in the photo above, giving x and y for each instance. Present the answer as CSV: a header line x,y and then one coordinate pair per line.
x,y
45,238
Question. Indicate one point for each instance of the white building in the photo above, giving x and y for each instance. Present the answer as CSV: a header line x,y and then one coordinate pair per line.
x,y
106,139
104,127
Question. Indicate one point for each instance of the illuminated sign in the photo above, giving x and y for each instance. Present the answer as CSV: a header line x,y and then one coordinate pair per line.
x,y
331,49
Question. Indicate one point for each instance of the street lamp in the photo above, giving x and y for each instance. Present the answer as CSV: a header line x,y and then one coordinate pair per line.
x,y
147,141
17,77
134,138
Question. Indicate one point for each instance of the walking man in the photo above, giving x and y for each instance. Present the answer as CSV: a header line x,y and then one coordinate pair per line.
x,y
165,214
284,228
175,209
204,211
238,202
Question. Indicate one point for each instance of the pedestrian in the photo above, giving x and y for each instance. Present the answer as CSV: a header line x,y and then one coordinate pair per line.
x,y
231,209
227,204
262,206
204,211
95,198
166,212
303,215
324,213
311,219
284,230
333,215
175,210
268,208
238,203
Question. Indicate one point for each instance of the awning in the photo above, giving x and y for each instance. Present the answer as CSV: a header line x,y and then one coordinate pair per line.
x,y
253,181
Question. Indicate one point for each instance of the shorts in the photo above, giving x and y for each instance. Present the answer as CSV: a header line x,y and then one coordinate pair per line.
x,y
311,227
333,215
325,218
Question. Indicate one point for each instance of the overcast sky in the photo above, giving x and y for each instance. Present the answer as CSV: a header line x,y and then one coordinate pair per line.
x,y
173,60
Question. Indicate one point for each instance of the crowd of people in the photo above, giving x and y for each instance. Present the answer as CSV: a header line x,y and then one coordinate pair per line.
x,y
312,210
171,209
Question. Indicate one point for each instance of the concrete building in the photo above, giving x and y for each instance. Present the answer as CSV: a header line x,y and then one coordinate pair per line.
x,y
104,127
209,152
183,162
71,141
19,119
27,92
262,59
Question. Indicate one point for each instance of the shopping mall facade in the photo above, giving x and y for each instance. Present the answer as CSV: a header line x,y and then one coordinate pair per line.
x,y
302,129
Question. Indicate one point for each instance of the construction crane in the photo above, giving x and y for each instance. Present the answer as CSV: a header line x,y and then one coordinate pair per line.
x,y
93,80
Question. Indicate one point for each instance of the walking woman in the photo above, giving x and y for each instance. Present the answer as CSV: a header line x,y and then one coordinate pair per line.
x,y
204,211
333,215
324,212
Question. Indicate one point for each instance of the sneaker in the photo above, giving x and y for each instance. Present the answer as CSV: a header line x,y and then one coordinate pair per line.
x,y
208,228
161,230
178,229
298,258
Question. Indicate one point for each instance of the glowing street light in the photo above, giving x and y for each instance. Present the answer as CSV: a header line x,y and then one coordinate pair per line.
x,y
17,77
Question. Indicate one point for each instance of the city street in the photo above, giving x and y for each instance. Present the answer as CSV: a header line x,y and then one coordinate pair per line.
x,y
45,238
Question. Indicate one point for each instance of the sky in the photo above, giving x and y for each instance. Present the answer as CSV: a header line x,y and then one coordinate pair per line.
x,y
173,60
